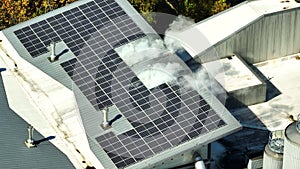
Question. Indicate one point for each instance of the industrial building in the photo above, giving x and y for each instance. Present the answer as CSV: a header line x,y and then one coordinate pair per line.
x,y
94,86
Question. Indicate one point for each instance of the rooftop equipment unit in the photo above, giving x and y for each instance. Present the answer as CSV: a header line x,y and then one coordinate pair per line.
x,y
291,157
30,141
53,56
273,155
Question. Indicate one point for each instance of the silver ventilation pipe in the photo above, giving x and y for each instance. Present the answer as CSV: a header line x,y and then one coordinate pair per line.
x,y
273,154
52,51
30,133
30,141
105,123
199,163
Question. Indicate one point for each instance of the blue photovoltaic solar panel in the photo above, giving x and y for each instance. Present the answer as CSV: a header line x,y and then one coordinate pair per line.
x,y
162,117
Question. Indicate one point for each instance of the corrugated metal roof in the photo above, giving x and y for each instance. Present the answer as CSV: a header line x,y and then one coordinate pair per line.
x,y
14,153
205,34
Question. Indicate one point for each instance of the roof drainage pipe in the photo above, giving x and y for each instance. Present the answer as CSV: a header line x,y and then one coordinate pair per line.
x,y
199,164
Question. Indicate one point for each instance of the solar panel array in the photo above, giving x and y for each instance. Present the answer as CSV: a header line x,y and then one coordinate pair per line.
x,y
76,26
161,118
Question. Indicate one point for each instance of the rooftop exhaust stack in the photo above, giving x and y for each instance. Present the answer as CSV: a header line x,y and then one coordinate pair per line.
x,y
292,146
199,164
273,157
30,142
105,123
52,52
108,123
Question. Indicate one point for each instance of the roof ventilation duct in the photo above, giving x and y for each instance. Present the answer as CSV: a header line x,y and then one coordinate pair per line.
x,y
52,57
199,163
30,141
105,123
273,154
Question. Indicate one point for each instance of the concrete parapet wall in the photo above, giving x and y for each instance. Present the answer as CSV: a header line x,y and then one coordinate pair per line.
x,y
250,95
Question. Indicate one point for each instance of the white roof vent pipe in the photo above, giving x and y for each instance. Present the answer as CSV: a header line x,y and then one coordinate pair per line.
x,y
30,141
52,57
199,164
105,123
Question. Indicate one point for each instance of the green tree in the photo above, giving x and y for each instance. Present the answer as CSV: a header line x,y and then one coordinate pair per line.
x,y
43,6
219,5
144,6
195,9
15,11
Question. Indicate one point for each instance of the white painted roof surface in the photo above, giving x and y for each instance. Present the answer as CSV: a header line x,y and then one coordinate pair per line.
x,y
209,32
236,74
46,104
14,153
274,114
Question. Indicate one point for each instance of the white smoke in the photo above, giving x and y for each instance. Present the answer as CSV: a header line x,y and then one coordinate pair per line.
x,y
154,61
141,50
204,76
153,47
178,25
159,73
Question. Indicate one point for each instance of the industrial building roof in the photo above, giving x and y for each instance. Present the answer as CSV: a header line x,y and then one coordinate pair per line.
x,y
281,75
208,33
264,33
49,86
282,100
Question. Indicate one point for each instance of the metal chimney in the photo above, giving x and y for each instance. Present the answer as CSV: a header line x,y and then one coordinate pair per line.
x,y
52,51
105,123
273,154
30,141
30,134
199,163
292,145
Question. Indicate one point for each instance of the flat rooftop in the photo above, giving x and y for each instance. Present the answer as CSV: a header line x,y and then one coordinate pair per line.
x,y
236,74
283,95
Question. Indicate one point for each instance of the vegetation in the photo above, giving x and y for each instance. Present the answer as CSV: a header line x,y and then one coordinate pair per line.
x,y
219,5
16,11
196,9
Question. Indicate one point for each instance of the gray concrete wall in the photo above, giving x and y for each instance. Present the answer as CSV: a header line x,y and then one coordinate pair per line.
x,y
271,36
248,96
